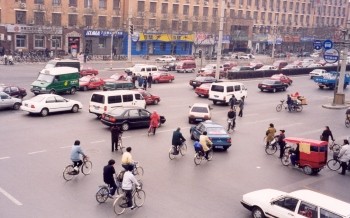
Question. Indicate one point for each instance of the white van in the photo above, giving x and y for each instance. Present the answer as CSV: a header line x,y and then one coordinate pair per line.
x,y
142,69
221,92
102,102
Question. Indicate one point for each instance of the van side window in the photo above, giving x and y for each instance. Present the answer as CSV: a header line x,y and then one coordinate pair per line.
x,y
287,203
308,210
143,70
114,99
327,214
154,69
229,88
138,97
98,98
149,69
217,88
237,88
128,98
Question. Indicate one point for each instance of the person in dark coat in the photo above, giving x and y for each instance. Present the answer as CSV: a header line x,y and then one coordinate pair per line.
x,y
149,80
108,177
241,106
115,131
177,140
281,142
289,103
232,101
145,83
326,134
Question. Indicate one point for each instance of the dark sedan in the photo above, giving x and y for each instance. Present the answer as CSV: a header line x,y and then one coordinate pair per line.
x,y
13,91
216,133
201,80
128,117
272,85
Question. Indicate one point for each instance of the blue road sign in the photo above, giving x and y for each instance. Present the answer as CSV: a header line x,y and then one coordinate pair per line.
x,y
317,44
327,44
331,55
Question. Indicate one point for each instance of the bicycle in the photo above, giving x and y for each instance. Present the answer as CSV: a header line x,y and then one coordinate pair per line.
x,y
69,172
120,143
104,190
231,124
294,107
334,147
179,149
121,203
334,164
271,147
200,155
138,170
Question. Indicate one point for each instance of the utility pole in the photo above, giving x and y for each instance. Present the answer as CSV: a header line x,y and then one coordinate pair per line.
x,y
274,39
221,30
129,34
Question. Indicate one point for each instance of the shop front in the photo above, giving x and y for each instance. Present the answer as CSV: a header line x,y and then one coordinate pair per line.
x,y
73,42
260,43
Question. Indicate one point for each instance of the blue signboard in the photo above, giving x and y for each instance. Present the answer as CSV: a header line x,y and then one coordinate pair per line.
x,y
331,55
317,44
327,44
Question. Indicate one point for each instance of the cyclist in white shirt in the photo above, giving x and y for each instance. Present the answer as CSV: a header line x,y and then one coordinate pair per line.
x,y
128,181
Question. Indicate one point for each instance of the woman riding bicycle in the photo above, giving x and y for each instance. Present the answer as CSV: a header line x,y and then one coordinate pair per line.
x,y
206,143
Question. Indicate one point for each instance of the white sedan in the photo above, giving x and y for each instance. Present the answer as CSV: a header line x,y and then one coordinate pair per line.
x,y
166,58
199,112
48,103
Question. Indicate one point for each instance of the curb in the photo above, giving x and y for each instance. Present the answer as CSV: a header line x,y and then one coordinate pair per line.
x,y
337,107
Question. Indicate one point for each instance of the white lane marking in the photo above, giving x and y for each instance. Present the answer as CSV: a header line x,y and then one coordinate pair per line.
x,y
13,199
95,142
289,125
3,158
66,146
261,121
36,152
312,131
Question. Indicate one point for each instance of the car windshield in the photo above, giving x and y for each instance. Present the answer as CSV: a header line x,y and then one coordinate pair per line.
x,y
199,109
45,77
37,98
117,111
216,131
270,82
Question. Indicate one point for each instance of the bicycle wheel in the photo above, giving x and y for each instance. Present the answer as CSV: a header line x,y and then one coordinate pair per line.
x,y
119,205
347,123
86,167
197,159
279,107
270,149
171,153
335,147
138,172
120,145
183,149
210,154
102,194
139,198
285,160
299,108
68,172
333,164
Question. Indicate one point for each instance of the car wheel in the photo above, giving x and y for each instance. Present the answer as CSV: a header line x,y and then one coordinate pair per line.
x,y
261,90
16,106
307,170
73,90
155,101
85,88
257,213
52,91
75,108
189,121
100,87
44,112
125,126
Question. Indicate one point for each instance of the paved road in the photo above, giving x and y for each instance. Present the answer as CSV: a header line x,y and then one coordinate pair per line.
x,y
34,151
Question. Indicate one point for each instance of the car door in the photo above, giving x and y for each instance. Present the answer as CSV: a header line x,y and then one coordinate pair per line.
x,y
134,118
50,103
62,104
5,101
283,207
144,118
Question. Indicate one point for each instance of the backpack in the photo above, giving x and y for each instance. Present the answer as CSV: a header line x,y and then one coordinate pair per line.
x,y
120,176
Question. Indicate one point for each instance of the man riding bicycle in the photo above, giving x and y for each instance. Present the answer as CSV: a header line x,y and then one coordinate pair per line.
x,y
127,185
231,115
75,155
177,140
108,177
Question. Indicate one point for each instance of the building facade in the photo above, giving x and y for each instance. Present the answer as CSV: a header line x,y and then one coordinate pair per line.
x,y
168,26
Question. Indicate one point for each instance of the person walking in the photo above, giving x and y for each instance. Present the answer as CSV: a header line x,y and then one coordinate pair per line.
x,y
326,134
149,80
145,83
241,106
289,102
344,156
232,101
115,131
270,134
281,142
108,177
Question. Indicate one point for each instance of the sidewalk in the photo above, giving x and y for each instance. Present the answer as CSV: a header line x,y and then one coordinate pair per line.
x,y
337,106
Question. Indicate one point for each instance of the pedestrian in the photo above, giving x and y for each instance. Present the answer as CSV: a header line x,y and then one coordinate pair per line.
x,y
241,106
281,142
344,156
134,78
149,80
325,134
289,102
270,134
108,177
145,83
140,81
232,101
115,131
154,121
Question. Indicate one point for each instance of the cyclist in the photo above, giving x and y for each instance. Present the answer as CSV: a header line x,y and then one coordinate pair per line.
x,y
281,142
326,133
344,156
128,181
155,118
177,140
206,143
289,102
231,114
108,177
127,159
75,155
270,134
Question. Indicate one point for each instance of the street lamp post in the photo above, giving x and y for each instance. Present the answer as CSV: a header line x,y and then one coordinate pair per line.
x,y
221,30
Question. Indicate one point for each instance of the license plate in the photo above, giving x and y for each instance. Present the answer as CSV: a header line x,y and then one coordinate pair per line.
x,y
216,96
26,105
199,119
220,147
96,107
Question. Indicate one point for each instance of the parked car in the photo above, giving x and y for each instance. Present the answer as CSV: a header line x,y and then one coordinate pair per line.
x,y
280,55
228,66
184,57
317,73
272,85
166,58
186,66
201,80
280,64
267,67
13,91
203,90
88,71
119,76
199,112
171,66
117,85
6,101
304,54
283,78
161,77
149,98
256,65
314,65
90,82
241,68
290,66
217,134
129,117
246,56
49,103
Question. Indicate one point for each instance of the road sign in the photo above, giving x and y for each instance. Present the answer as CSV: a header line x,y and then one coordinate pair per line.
x,y
317,45
327,44
331,55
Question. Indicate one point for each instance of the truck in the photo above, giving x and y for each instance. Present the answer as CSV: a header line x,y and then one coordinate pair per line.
x,y
329,80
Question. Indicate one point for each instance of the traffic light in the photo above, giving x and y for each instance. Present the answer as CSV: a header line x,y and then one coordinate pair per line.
x,y
200,53
131,29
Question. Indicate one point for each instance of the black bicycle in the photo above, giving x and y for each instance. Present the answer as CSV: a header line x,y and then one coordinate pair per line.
x,y
121,203
69,172
294,107
180,149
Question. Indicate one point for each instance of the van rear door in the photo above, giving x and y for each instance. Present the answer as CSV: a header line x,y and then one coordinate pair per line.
x,y
97,103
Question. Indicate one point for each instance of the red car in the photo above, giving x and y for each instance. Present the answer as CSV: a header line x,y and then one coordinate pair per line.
x,y
90,82
162,77
89,71
203,90
228,66
149,98
182,58
119,76
13,91
283,78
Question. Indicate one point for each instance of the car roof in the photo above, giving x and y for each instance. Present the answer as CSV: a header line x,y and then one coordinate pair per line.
x,y
116,92
62,60
227,83
59,70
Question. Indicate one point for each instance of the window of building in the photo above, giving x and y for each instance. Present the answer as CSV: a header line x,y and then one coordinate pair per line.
x,y
140,6
38,1
162,46
249,2
241,2
240,14
278,4
102,21
186,9
153,7
291,5
56,41
163,24
195,10
205,11
152,23
87,3
102,42
271,4
72,19
257,2
255,16
39,18
102,4
232,13
175,9
269,17
116,4
214,27
174,24
73,3
88,20
248,15
116,21
56,19
164,8
195,26
39,41
21,17
21,41
185,26
204,26
215,12
56,2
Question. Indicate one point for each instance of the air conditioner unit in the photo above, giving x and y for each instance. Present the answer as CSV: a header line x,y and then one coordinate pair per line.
x,y
22,5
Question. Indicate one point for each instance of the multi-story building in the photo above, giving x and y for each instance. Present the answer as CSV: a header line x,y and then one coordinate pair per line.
x,y
167,26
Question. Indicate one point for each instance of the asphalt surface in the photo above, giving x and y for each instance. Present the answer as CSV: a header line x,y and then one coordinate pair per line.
x,y
34,151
